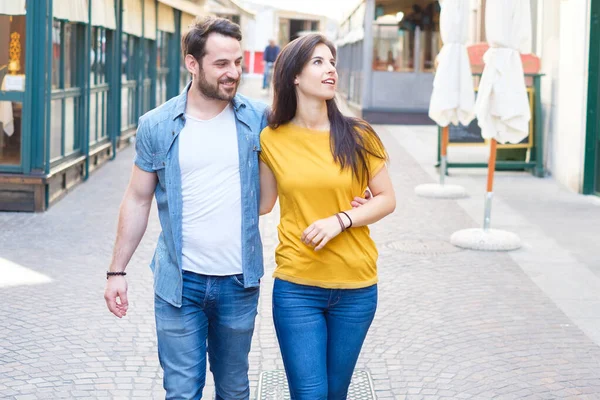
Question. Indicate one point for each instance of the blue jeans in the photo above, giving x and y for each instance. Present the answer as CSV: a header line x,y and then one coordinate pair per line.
x,y
217,310
266,80
320,333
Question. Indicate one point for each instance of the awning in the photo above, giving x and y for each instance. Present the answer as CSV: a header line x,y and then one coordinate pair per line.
x,y
13,7
150,19
71,10
185,6
453,99
132,17
166,18
186,21
230,7
104,14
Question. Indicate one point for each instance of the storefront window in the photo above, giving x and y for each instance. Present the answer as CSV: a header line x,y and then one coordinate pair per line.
x,y
100,89
184,75
98,56
147,83
129,92
162,66
393,49
12,79
408,40
65,110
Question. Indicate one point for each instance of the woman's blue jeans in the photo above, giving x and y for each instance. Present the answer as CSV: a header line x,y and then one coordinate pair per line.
x,y
320,333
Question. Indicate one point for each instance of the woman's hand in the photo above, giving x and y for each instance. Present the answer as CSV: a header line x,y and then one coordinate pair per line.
x,y
321,232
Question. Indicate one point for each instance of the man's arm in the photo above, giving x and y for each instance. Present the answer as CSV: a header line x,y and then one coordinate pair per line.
x,y
133,220
268,189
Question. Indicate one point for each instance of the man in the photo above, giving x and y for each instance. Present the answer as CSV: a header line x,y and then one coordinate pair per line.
x,y
269,57
198,155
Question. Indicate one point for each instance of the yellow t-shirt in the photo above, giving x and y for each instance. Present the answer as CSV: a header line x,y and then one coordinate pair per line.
x,y
311,186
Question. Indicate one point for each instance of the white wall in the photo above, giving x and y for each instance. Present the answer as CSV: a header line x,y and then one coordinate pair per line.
x,y
547,47
569,106
265,28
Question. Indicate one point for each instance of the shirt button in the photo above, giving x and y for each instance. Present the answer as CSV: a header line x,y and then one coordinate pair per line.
x,y
249,164
164,163
252,248
173,133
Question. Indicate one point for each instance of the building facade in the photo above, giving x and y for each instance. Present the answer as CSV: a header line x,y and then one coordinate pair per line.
x,y
386,54
280,25
75,77
387,50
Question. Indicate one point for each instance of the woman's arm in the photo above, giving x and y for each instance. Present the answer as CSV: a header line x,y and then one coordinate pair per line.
x,y
382,203
268,189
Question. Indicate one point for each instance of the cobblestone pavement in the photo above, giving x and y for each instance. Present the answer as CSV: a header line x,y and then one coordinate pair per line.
x,y
451,324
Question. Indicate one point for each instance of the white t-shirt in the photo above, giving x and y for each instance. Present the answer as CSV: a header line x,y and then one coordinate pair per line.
x,y
211,191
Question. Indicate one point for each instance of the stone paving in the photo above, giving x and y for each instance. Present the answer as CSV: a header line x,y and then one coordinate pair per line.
x,y
451,324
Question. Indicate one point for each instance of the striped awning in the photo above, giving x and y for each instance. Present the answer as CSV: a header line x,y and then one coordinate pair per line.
x,y
71,10
150,19
104,14
185,6
132,17
166,18
186,21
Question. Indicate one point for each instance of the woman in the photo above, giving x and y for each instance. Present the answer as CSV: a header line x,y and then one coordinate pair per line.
x,y
316,161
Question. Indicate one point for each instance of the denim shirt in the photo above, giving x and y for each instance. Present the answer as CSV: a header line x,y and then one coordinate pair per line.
x,y
157,150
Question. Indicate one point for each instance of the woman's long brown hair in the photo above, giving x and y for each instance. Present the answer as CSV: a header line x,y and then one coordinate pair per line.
x,y
351,139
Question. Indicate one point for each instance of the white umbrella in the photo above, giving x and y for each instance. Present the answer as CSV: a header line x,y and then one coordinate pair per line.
x,y
502,105
452,99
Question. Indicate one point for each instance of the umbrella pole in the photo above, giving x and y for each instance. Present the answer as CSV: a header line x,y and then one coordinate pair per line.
x,y
445,139
490,186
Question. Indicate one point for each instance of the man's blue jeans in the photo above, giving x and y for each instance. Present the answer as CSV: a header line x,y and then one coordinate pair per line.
x,y
266,80
320,333
217,310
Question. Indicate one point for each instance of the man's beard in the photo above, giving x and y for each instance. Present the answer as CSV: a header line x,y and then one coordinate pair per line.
x,y
212,91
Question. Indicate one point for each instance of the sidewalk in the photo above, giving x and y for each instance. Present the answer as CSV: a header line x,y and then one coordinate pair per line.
x,y
451,323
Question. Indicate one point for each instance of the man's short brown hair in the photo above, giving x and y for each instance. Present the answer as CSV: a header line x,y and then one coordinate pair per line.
x,y
194,41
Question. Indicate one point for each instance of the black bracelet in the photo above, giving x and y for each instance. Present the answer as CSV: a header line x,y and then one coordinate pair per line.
x,y
349,219
342,225
121,273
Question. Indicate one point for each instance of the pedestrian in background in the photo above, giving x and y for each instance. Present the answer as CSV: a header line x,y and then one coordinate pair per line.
x,y
269,57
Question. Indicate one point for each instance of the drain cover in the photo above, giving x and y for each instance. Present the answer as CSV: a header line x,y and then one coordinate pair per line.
x,y
422,246
273,386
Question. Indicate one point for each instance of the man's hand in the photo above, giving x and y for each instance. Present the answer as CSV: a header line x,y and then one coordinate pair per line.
x,y
359,201
116,288
321,232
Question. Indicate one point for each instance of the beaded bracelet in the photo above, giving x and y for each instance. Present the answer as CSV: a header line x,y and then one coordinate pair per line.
x,y
121,273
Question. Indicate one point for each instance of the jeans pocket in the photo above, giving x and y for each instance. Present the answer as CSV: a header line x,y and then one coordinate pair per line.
x,y
238,279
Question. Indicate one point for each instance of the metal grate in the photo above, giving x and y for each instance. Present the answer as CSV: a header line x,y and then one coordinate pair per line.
x,y
273,386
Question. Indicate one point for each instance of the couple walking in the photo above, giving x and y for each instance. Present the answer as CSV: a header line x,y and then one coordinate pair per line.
x,y
216,160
